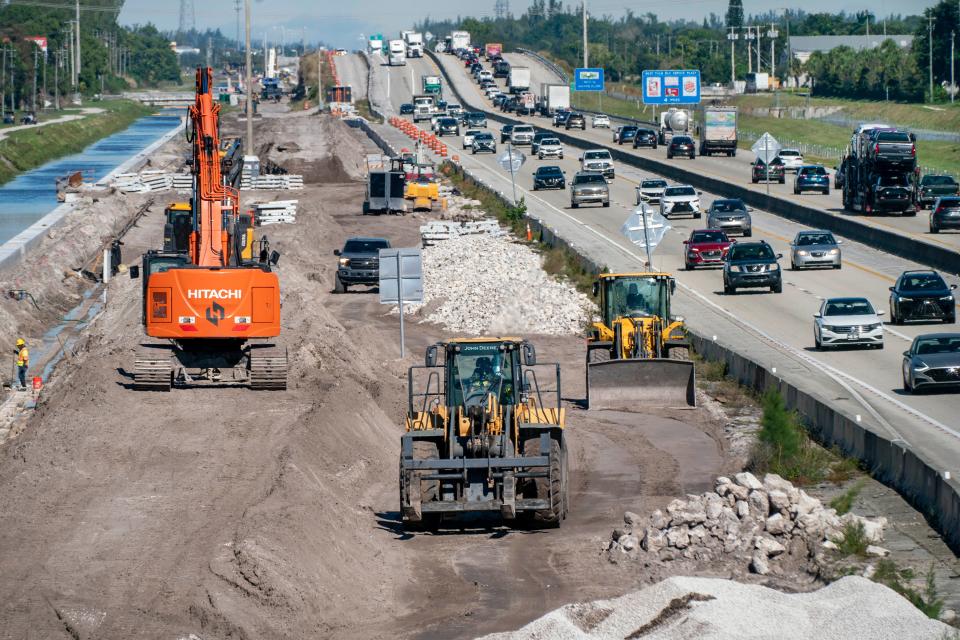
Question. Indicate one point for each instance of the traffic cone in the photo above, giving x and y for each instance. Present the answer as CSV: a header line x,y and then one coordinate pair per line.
x,y
529,233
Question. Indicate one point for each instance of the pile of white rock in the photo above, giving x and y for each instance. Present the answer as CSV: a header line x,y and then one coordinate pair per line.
x,y
752,521
484,284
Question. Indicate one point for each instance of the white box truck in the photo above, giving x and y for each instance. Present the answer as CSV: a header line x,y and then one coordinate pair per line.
x,y
553,97
459,40
414,42
519,80
718,130
397,54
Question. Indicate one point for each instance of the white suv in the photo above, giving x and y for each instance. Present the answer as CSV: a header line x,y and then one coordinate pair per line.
x,y
550,148
680,199
792,159
601,121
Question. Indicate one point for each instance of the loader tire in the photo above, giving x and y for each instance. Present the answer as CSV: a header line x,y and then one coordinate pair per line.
x,y
552,488
429,489
678,353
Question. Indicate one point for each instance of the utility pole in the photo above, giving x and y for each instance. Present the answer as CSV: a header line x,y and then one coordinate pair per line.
x,y
56,80
77,56
249,81
35,63
732,37
749,38
953,88
772,34
930,60
586,53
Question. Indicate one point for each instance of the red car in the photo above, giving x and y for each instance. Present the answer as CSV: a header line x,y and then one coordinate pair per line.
x,y
705,247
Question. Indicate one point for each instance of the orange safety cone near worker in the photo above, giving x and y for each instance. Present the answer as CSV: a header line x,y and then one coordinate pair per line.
x,y
23,362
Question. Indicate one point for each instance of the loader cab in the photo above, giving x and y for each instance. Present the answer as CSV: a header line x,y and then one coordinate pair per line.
x,y
475,369
177,227
634,295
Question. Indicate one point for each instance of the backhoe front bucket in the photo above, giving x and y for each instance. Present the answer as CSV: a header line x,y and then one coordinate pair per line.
x,y
631,385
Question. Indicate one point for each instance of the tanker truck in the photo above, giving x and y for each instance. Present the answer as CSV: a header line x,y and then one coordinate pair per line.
x,y
673,122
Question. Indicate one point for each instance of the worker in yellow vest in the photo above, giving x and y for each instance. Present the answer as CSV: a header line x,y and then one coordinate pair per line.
x,y
23,361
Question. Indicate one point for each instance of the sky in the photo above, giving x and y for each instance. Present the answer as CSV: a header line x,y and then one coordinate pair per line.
x,y
342,25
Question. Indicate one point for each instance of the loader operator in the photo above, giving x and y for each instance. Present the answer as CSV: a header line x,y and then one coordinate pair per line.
x,y
488,376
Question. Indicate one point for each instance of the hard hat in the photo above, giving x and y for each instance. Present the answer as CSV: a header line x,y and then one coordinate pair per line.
x,y
20,342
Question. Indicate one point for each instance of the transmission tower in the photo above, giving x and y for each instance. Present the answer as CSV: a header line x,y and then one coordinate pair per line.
x,y
501,9
187,23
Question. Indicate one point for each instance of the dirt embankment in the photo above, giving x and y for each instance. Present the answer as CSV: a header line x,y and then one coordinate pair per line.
x,y
232,514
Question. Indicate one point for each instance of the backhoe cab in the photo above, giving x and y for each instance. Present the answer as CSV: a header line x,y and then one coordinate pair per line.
x,y
480,436
638,354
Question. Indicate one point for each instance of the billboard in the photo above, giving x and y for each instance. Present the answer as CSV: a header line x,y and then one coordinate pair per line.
x,y
671,86
588,79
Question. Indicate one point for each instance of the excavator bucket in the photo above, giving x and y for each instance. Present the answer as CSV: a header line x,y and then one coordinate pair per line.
x,y
630,385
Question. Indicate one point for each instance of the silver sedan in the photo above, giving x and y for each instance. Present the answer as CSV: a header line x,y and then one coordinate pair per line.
x,y
815,249
846,322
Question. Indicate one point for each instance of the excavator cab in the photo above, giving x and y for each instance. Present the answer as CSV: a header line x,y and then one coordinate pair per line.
x,y
638,353
483,434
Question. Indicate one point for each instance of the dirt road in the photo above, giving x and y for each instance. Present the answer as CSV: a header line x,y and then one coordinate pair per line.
x,y
233,514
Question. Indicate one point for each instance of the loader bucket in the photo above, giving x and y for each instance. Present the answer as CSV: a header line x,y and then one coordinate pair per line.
x,y
631,385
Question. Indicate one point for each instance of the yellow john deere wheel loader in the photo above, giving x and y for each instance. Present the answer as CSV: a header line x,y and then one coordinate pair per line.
x,y
480,436
638,354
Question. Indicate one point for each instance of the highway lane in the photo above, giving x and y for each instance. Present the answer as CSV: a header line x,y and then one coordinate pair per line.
x,y
734,170
782,320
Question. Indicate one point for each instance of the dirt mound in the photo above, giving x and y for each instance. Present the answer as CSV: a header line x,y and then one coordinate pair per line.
x,y
321,149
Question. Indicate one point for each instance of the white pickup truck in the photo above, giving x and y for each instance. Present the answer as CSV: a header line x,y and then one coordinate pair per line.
x,y
599,161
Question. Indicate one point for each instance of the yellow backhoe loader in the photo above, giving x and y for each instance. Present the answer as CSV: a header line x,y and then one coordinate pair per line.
x,y
638,354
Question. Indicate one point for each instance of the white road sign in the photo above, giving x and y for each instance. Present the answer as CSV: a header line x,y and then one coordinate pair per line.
x,y
512,160
766,148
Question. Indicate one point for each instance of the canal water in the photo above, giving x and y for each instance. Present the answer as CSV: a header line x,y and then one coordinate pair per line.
x,y
32,194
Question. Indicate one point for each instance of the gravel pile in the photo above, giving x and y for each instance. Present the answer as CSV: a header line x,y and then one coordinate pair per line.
x,y
492,285
852,608
752,523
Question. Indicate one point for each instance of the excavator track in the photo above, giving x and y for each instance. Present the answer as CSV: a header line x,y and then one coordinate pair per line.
x,y
268,369
152,373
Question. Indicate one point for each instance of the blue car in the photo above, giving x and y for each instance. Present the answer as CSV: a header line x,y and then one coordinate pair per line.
x,y
812,177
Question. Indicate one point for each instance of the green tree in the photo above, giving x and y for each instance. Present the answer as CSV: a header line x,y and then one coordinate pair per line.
x,y
735,14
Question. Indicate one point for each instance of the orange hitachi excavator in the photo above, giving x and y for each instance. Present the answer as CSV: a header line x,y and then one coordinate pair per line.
x,y
215,301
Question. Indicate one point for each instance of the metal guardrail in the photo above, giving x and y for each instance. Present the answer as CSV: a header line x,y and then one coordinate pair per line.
x,y
549,64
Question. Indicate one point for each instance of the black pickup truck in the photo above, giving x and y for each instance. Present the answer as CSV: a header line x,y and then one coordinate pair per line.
x,y
359,263
892,149
932,187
